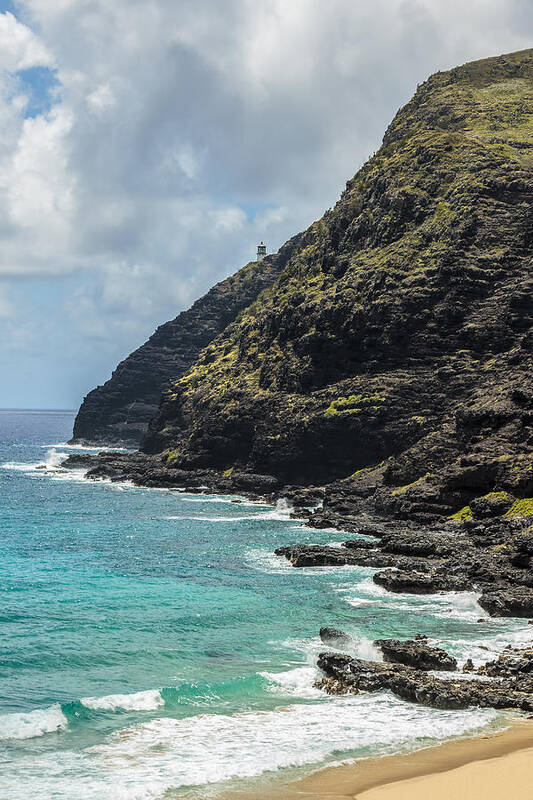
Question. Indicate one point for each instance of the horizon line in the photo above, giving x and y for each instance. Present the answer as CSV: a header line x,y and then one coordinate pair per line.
x,y
12,408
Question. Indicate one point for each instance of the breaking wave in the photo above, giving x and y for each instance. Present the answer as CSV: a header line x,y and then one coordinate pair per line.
x,y
29,724
149,700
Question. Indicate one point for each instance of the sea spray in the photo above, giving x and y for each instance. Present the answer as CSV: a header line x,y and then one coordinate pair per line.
x,y
54,458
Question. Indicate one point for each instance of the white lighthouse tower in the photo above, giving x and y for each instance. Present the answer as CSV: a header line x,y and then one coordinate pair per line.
x,y
261,251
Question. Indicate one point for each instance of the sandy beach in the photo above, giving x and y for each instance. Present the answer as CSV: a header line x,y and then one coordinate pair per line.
x,y
483,768
504,776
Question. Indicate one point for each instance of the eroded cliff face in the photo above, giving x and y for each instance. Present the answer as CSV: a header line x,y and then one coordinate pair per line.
x,y
119,411
393,352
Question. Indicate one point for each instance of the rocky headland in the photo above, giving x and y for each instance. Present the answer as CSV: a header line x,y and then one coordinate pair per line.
x,y
118,412
381,380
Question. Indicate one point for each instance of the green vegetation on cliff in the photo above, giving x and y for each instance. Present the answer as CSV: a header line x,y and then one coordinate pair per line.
x,y
400,325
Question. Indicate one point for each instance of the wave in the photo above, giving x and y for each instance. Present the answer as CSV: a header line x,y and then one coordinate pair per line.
x,y
281,512
148,700
366,649
356,645
493,640
154,756
147,760
51,468
167,753
51,464
226,499
54,458
459,605
40,721
264,560
83,447
30,724
298,681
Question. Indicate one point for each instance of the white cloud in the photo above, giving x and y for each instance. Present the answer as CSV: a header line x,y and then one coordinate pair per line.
x,y
229,219
101,98
177,117
20,48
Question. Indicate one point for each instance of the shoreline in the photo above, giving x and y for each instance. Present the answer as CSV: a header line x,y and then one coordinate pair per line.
x,y
469,762
363,778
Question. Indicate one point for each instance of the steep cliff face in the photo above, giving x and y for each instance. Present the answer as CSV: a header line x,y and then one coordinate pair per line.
x,y
395,346
119,411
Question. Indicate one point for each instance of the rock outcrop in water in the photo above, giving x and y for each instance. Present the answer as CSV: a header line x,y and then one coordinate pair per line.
x,y
448,558
118,412
347,675
416,653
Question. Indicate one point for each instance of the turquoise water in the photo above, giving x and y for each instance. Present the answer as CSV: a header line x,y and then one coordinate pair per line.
x,y
152,646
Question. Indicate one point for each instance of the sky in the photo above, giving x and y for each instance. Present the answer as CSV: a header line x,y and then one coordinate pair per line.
x,y
147,147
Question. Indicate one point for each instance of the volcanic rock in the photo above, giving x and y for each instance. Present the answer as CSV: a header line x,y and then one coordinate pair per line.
x,y
335,637
416,654
348,674
514,601
417,583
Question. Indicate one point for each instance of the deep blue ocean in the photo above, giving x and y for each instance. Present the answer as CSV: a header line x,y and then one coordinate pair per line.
x,y
152,646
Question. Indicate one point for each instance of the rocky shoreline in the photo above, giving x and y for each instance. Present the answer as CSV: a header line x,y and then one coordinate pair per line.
x,y
491,556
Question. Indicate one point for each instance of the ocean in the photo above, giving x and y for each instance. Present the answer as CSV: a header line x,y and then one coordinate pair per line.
x,y
152,646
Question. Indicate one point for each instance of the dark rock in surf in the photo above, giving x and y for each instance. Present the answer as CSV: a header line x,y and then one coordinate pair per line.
x,y
345,674
419,583
416,653
514,601
335,637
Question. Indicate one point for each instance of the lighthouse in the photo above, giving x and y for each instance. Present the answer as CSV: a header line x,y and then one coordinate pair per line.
x,y
261,251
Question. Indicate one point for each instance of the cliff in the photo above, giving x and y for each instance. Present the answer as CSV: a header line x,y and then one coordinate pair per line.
x,y
394,349
118,412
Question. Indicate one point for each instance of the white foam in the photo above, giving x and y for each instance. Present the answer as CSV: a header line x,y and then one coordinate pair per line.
x,y
68,475
265,560
279,513
120,486
459,605
298,681
365,648
144,761
54,458
16,465
356,602
167,753
506,631
29,724
148,700
91,448
227,499
50,466
52,469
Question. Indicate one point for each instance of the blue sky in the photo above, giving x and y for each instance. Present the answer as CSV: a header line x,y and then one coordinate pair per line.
x,y
145,149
